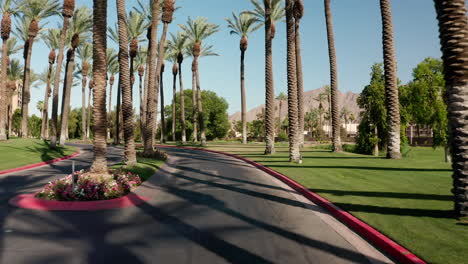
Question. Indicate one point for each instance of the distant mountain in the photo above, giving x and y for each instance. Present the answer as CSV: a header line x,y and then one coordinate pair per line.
x,y
348,99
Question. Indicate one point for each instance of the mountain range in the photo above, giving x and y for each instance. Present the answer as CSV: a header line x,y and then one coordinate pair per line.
x,y
348,99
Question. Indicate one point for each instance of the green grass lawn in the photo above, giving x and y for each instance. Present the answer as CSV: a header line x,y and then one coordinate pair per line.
x,y
145,168
16,153
408,200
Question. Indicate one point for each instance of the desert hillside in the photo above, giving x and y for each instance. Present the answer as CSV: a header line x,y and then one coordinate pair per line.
x,y
348,99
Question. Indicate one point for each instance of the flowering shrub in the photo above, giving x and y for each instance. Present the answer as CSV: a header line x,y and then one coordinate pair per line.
x,y
90,187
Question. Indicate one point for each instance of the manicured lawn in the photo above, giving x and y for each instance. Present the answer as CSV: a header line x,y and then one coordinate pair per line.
x,y
145,168
408,200
16,153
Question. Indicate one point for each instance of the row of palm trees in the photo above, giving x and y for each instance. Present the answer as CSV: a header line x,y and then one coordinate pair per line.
x,y
267,15
453,27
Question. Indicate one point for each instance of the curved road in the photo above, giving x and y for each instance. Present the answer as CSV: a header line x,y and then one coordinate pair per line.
x,y
205,208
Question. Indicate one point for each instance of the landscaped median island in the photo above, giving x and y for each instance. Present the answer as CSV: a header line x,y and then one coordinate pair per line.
x,y
408,200
83,186
16,153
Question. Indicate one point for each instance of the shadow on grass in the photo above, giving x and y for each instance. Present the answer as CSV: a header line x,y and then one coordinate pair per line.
x,y
46,151
417,196
357,168
396,211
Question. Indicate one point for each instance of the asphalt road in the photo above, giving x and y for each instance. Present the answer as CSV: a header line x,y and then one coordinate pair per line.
x,y
205,208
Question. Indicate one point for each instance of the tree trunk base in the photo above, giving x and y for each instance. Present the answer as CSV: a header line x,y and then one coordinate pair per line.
x,y
270,147
393,155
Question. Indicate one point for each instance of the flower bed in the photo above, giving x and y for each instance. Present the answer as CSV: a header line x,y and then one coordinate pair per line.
x,y
90,187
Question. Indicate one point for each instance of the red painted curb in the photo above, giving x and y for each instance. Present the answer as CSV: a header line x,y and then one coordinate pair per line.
x,y
40,164
28,201
392,248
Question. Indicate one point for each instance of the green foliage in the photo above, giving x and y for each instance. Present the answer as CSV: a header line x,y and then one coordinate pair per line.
x,y
34,126
16,121
372,101
349,148
423,101
282,137
214,113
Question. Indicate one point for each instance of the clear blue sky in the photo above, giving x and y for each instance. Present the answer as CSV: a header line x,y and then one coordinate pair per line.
x,y
357,26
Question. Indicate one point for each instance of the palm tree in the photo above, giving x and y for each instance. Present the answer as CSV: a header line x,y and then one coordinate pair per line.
x,y
172,57
322,97
345,114
153,87
79,31
67,84
51,39
281,97
114,36
162,117
243,25
335,115
298,14
294,153
206,50
453,25
125,82
15,75
391,86
34,11
99,80
151,69
88,119
112,69
271,12
7,9
198,30
85,53
140,62
67,12
177,46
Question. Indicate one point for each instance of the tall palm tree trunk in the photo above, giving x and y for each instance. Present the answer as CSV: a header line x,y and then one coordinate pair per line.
x,y
182,105
109,103
88,119
118,114
69,69
84,81
99,78
26,96
335,115
453,30
269,84
391,85
243,100
58,71
140,83
125,84
163,118
148,139
294,153
279,115
45,111
144,104
3,92
194,104
201,120
174,92
298,13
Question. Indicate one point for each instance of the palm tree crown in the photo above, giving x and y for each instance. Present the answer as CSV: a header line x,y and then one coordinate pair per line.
x,y
242,25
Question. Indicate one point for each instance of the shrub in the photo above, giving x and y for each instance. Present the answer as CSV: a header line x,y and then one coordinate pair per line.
x,y
349,148
90,187
156,154
282,137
